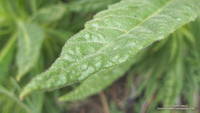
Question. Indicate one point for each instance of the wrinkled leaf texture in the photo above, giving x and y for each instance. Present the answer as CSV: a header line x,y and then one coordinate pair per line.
x,y
106,47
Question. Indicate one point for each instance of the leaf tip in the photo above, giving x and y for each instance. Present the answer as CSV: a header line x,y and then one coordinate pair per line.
x,y
61,99
23,94
18,78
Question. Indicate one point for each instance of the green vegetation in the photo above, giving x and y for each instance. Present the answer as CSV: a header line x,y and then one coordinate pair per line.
x,y
54,53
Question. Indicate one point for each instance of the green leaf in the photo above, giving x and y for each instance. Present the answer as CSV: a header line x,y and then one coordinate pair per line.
x,y
49,14
97,82
6,56
2,15
112,38
84,6
14,98
30,38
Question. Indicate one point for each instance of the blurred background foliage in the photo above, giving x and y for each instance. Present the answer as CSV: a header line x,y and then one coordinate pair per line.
x,y
32,33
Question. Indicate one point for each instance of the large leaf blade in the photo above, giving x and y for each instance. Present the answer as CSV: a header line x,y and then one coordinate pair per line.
x,y
113,37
